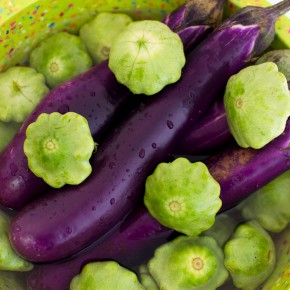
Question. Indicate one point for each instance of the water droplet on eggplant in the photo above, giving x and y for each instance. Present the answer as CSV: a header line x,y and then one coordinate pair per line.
x,y
17,229
170,125
142,153
13,169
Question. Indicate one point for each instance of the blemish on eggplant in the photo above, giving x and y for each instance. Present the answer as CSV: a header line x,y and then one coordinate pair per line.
x,y
221,168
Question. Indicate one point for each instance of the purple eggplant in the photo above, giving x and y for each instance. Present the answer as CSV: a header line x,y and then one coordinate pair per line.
x,y
131,245
65,221
208,135
194,20
98,97
192,35
241,171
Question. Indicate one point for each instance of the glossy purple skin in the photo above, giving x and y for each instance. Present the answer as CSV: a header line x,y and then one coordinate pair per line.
x,y
241,171
94,94
192,35
131,245
65,221
209,134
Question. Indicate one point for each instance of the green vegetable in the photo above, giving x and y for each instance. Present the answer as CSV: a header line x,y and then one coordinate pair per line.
x,y
188,263
60,57
21,90
9,260
146,278
183,196
7,132
146,56
99,33
58,148
105,275
281,57
249,255
270,205
222,228
257,104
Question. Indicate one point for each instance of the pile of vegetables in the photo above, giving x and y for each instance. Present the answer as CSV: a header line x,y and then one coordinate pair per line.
x,y
113,165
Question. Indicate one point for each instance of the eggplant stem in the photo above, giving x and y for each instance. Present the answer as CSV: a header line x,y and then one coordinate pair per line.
x,y
279,8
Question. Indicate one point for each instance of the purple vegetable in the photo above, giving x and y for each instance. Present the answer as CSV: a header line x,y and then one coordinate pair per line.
x,y
208,135
132,244
65,221
98,97
195,19
192,35
241,171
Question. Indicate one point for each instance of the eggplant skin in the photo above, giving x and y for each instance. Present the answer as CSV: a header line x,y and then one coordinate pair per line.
x,y
208,135
126,245
63,222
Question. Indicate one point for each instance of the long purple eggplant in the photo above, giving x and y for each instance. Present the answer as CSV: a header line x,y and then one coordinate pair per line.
x,y
209,134
97,96
65,221
132,244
